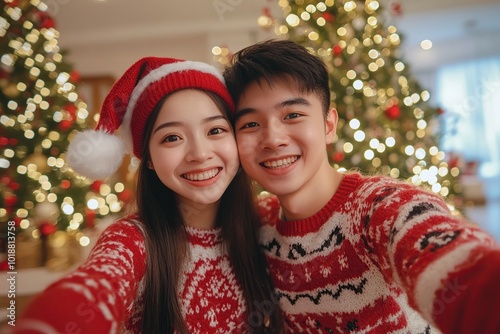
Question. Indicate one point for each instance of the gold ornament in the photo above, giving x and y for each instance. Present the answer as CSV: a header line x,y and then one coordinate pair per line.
x,y
11,90
28,250
38,159
63,251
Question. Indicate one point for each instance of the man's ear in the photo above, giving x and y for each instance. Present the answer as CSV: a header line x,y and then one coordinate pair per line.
x,y
331,125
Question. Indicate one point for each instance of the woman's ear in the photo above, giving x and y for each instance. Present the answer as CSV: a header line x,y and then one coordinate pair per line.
x,y
150,165
331,125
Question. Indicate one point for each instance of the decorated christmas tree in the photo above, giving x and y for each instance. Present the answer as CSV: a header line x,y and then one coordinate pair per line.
x,y
386,124
39,112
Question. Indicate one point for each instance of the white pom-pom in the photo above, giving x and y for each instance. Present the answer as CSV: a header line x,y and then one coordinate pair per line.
x,y
95,154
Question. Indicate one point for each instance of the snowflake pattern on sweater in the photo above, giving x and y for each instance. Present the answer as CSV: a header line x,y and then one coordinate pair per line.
x,y
105,294
370,258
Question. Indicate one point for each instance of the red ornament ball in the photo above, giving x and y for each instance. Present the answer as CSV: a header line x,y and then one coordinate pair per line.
x,y
74,76
13,3
65,184
328,17
338,156
266,11
96,186
337,50
5,180
65,125
126,195
47,228
4,265
396,8
10,200
44,20
89,218
71,109
14,185
393,112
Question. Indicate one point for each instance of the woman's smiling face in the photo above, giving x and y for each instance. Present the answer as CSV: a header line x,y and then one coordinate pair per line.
x,y
192,147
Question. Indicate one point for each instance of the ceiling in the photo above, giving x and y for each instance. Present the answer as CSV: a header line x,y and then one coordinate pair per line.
x,y
84,22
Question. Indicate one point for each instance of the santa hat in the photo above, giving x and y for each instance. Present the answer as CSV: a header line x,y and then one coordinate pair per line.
x,y
98,153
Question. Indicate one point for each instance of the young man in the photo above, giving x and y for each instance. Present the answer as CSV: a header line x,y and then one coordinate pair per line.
x,y
350,253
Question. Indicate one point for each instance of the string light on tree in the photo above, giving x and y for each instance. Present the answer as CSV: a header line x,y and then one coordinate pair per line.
x,y
383,112
385,122
40,110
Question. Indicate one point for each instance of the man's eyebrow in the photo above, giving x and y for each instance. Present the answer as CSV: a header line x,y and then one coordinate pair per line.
x,y
243,112
289,102
293,101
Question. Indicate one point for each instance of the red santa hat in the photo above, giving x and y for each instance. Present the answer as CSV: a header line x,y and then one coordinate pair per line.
x,y
98,153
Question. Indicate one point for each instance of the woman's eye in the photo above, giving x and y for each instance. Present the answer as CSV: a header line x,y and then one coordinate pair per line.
x,y
216,131
292,115
171,138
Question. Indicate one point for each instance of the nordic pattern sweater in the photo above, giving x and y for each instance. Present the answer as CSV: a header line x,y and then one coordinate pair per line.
x,y
382,256
105,294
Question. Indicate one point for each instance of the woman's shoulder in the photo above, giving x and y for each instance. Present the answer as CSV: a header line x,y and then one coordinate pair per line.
x,y
124,233
126,225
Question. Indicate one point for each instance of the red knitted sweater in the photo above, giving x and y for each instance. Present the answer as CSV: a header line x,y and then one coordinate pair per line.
x,y
104,295
378,251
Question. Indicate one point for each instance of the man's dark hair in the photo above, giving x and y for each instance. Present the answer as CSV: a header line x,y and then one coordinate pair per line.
x,y
277,59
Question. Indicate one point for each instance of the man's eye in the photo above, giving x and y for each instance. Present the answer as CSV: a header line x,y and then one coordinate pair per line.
x,y
250,125
292,115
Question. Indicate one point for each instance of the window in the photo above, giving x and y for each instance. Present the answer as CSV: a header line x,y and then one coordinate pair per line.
x,y
469,93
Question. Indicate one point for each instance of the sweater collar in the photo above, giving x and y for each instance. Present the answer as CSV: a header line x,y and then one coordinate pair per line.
x,y
313,223
205,238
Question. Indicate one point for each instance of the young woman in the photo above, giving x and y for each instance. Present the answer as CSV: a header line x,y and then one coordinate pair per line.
x,y
188,261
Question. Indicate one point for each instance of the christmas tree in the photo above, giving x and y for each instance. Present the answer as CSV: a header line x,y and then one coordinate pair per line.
x,y
39,112
386,124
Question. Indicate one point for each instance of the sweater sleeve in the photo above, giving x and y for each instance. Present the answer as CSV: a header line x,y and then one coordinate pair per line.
x,y
448,266
95,297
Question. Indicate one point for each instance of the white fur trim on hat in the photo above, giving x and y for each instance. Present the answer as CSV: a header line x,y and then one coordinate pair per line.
x,y
155,75
95,154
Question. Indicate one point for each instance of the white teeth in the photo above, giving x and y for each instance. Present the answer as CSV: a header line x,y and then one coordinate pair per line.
x,y
201,176
280,163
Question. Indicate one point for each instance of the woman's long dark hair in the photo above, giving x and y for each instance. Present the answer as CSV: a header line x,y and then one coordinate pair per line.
x,y
166,242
